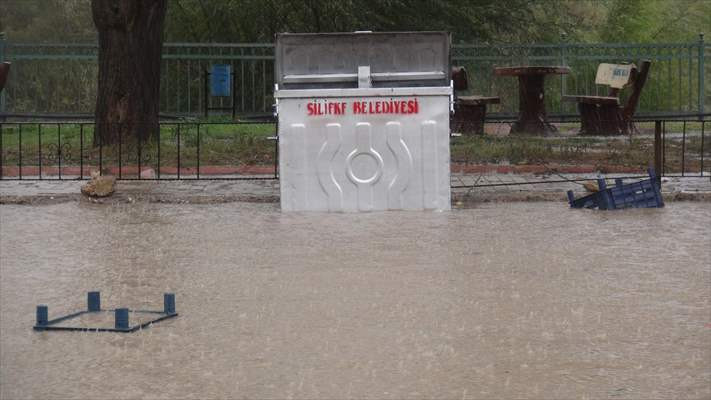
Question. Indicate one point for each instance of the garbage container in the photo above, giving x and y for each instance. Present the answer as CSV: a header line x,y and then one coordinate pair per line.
x,y
363,120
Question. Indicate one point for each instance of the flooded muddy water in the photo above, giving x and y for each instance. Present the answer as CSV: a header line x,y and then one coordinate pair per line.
x,y
520,300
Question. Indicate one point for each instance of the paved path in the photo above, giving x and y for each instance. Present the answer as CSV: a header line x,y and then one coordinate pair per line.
x,y
530,187
220,191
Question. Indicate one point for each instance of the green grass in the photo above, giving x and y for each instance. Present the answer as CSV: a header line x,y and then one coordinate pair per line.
x,y
535,150
636,152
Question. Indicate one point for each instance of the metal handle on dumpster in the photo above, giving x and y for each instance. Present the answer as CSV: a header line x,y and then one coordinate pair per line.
x,y
374,76
276,101
451,97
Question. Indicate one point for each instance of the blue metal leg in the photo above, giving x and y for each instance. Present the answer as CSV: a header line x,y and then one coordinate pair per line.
x,y
93,300
42,315
169,303
121,318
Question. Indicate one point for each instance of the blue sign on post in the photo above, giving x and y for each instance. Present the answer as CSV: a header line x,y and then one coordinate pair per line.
x,y
220,80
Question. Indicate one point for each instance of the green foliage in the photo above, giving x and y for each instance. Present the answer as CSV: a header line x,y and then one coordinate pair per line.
x,y
70,85
470,21
645,21
259,20
47,21
480,21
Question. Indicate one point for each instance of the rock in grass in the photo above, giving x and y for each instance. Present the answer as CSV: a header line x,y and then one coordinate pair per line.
x,y
148,173
99,185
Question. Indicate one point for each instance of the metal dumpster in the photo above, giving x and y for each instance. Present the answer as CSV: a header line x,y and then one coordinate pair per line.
x,y
363,120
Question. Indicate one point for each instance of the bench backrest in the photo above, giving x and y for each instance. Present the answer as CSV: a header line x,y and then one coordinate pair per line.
x,y
616,76
640,78
460,78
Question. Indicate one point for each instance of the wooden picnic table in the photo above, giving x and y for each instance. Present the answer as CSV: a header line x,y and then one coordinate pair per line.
x,y
531,105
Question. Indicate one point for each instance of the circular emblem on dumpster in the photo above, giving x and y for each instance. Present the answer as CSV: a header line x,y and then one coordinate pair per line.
x,y
367,164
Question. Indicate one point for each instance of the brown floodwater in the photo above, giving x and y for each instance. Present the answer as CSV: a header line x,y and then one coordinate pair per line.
x,y
520,300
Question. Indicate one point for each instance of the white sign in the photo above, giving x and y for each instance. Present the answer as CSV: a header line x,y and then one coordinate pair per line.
x,y
615,76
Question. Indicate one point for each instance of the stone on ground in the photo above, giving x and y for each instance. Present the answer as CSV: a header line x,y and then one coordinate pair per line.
x,y
99,185
591,187
148,173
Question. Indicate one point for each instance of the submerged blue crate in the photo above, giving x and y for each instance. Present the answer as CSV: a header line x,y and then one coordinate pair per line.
x,y
121,316
642,194
589,201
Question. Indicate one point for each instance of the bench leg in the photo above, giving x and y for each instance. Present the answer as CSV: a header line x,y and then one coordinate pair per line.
x,y
469,119
613,123
602,120
588,119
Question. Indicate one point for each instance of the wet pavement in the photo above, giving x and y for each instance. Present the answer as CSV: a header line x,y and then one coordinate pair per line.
x,y
500,300
224,191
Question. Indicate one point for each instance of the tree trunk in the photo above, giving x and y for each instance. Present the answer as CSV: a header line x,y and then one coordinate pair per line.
x,y
130,45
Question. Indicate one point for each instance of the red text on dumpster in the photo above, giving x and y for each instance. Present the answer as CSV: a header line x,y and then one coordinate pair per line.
x,y
407,106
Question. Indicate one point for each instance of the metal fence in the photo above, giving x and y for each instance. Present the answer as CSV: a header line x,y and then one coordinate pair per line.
x,y
61,78
178,151
246,151
676,83
681,152
673,147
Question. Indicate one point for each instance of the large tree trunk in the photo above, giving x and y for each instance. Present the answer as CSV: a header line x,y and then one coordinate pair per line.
x,y
130,45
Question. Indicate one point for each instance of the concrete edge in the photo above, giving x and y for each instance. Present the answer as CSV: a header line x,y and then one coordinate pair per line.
x,y
458,199
463,199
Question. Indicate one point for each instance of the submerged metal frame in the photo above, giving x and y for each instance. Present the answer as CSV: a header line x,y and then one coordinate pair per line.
x,y
121,323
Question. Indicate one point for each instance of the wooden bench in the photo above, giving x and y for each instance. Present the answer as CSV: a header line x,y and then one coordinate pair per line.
x,y
604,115
4,72
469,111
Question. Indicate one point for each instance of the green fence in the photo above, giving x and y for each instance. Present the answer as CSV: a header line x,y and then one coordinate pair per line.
x,y
61,78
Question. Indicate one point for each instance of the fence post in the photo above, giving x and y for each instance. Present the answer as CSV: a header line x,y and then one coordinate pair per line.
x,y
563,51
206,93
2,59
658,167
2,46
702,87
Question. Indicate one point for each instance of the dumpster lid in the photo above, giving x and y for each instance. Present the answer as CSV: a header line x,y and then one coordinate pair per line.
x,y
331,60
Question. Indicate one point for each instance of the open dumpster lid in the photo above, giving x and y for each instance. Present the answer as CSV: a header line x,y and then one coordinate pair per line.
x,y
331,60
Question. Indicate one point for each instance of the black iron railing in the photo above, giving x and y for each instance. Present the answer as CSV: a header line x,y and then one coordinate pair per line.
x,y
675,147
249,151
174,150
682,151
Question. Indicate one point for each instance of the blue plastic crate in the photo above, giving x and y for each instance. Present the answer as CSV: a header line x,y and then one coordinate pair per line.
x,y
642,194
589,201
